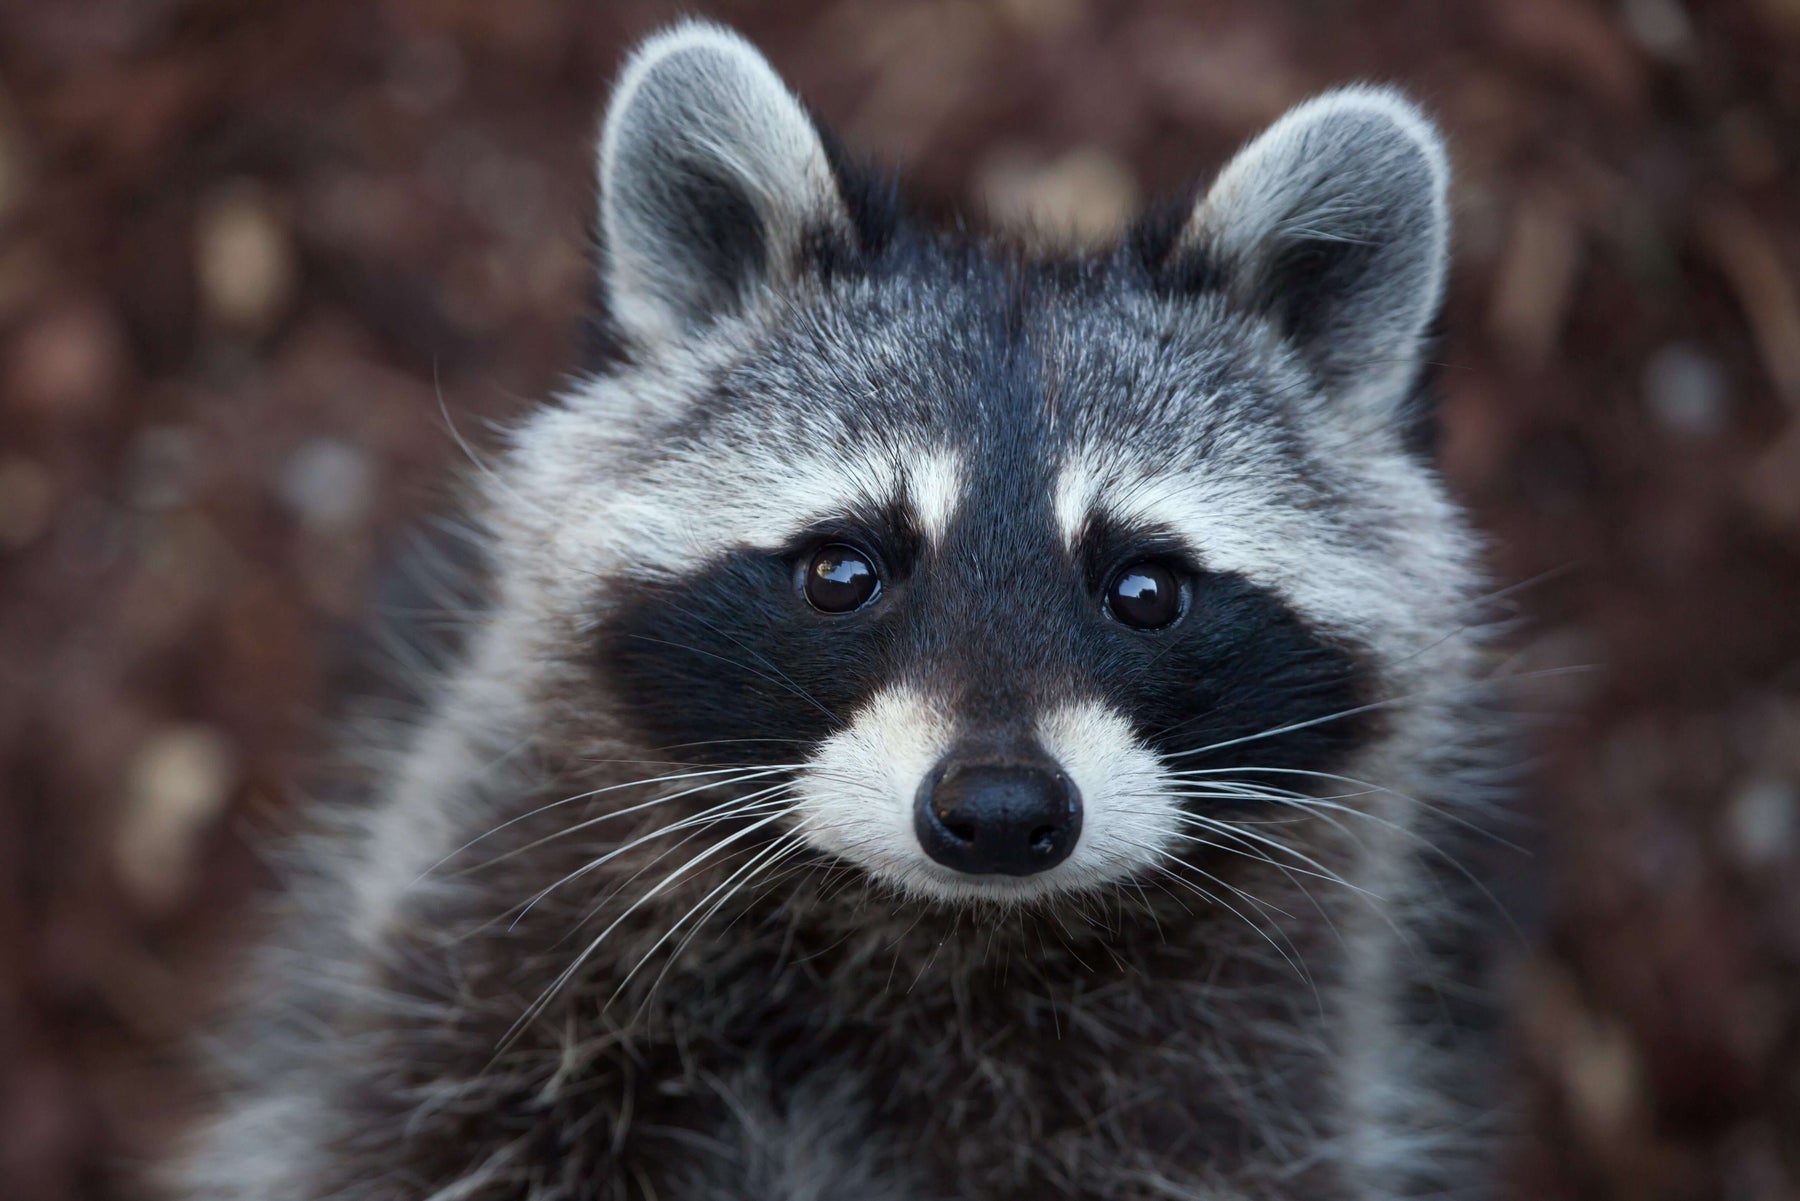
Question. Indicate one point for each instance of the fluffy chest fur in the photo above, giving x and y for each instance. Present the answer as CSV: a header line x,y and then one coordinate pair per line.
x,y
824,1037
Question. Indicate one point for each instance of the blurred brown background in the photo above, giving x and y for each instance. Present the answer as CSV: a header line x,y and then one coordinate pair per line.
x,y
245,246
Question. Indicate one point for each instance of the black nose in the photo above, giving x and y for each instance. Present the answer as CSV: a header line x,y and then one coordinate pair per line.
x,y
988,819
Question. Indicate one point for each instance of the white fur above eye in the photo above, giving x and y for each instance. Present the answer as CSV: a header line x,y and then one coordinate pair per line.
x,y
933,486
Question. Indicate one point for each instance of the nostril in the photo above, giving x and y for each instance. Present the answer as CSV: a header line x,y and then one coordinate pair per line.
x,y
961,830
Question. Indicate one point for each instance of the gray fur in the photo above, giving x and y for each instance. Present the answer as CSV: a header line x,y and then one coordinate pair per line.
x,y
502,979
1343,200
698,112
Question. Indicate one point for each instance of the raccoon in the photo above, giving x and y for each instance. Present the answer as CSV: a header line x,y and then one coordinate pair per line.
x,y
949,720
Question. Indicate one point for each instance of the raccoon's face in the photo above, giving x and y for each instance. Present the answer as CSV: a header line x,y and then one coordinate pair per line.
x,y
1001,577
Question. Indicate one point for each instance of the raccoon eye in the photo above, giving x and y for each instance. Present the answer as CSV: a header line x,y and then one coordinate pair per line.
x,y
1144,596
839,579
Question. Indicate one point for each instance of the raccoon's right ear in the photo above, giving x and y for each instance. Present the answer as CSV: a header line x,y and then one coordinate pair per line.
x,y
1333,225
712,179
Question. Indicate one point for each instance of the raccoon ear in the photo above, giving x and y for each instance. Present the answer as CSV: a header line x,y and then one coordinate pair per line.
x,y
1334,223
712,177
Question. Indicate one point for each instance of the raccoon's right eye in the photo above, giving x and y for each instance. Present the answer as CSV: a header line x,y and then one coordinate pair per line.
x,y
839,579
1145,595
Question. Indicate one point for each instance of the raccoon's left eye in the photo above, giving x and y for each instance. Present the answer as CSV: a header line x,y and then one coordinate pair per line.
x,y
839,579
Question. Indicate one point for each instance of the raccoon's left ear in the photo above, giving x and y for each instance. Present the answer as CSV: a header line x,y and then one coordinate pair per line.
x,y
1334,223
712,177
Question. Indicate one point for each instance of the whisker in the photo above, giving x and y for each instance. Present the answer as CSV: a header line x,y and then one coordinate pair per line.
x,y
538,1006
1322,807
755,803
1372,706
1279,846
785,847
1327,806
582,796
589,823
1249,851
1369,787
1298,967
500,485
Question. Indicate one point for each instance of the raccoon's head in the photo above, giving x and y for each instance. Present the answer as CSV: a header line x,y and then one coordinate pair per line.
x,y
1008,576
